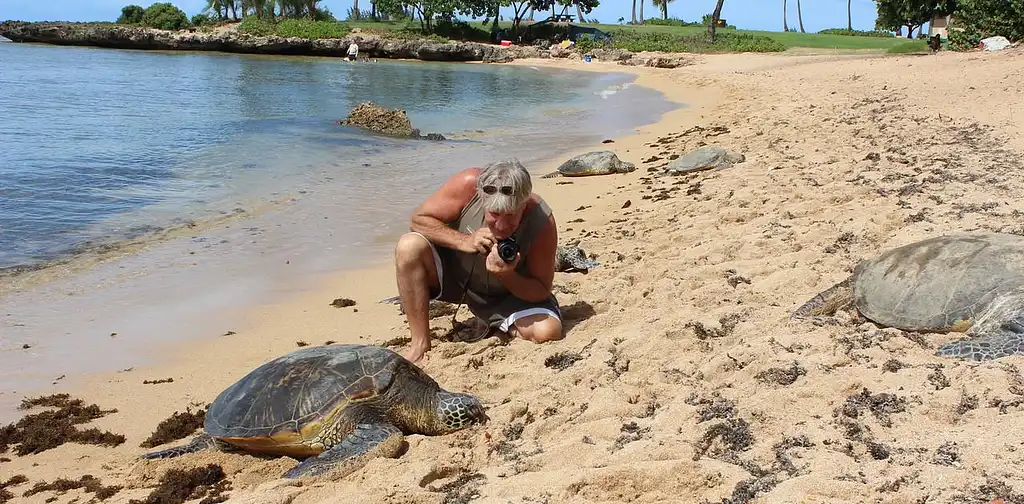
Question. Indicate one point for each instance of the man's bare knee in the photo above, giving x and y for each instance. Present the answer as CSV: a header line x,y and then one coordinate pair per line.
x,y
540,328
413,256
411,248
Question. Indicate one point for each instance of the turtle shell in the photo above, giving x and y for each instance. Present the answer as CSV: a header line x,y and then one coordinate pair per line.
x,y
286,400
939,284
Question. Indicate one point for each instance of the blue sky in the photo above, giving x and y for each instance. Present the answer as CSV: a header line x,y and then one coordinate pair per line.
x,y
748,14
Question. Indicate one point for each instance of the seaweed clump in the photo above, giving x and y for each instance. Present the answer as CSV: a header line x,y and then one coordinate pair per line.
x,y
181,485
175,427
49,429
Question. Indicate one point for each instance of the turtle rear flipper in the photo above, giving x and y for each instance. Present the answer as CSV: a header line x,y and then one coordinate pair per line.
x,y
1004,340
828,301
202,442
366,442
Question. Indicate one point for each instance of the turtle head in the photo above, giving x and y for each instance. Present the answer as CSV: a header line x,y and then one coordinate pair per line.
x,y
457,411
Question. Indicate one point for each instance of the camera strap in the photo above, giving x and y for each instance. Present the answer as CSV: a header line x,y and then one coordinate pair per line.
x,y
465,288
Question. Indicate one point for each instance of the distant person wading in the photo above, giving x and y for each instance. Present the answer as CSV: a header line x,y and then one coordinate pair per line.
x,y
353,51
485,239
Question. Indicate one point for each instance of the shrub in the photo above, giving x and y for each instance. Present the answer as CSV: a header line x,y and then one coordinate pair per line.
x,y
131,14
301,28
304,28
670,22
203,20
252,25
975,20
636,41
857,33
461,30
164,16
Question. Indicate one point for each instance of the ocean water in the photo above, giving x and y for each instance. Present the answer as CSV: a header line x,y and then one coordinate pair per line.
x,y
147,191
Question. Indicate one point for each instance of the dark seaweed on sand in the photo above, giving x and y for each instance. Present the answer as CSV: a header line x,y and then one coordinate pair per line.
x,y
88,482
180,485
175,427
49,429
5,494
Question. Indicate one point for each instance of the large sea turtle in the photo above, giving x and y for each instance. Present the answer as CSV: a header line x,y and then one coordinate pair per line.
x,y
964,282
592,163
334,406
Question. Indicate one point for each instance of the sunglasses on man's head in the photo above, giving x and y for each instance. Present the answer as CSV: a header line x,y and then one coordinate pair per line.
x,y
490,189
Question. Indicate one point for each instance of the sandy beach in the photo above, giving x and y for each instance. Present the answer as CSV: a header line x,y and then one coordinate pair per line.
x,y
681,378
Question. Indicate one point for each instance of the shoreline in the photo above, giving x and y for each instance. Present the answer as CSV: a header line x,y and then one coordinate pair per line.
x,y
156,356
173,354
727,255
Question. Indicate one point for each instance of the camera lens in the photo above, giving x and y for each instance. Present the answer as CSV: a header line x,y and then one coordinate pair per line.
x,y
507,249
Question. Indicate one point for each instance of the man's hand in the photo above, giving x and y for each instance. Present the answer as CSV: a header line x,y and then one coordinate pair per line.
x,y
481,241
497,266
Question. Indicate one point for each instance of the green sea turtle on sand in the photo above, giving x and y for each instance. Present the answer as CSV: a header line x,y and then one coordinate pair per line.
x,y
964,282
705,158
336,406
572,258
592,163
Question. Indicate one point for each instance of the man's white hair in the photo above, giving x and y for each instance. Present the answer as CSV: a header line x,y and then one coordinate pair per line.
x,y
506,176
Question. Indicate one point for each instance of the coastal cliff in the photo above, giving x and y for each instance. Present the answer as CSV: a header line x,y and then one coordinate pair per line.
x,y
133,37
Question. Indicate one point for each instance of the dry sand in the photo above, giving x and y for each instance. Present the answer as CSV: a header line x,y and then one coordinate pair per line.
x,y
674,397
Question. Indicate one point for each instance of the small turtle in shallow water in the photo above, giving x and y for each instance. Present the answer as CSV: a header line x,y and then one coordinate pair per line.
x,y
964,282
334,406
592,163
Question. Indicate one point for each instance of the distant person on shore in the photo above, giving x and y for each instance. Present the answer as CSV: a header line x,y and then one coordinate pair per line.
x,y
353,51
453,254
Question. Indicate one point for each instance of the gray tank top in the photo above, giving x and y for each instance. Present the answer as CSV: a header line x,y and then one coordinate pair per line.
x,y
484,287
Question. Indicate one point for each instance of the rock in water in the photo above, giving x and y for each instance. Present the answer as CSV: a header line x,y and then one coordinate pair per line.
x,y
385,121
705,158
593,163
379,120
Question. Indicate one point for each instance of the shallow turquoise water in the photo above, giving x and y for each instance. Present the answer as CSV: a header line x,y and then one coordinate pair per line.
x,y
100,145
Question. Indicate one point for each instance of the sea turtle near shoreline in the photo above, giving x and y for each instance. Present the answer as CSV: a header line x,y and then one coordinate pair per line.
x,y
963,282
335,406
572,258
592,163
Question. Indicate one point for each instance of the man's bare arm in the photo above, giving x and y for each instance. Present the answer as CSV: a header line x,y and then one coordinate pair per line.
x,y
537,286
443,206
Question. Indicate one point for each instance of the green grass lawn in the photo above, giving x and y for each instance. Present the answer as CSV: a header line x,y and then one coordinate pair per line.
x,y
787,39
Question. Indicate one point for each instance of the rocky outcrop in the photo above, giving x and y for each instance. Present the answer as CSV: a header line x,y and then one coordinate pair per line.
x,y
132,37
385,121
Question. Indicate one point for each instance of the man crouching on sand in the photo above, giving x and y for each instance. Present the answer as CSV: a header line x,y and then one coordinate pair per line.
x,y
452,254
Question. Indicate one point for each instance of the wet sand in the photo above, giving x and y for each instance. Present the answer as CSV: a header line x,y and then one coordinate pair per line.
x,y
685,379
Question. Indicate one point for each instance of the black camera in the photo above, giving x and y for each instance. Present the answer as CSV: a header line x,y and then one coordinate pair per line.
x,y
507,249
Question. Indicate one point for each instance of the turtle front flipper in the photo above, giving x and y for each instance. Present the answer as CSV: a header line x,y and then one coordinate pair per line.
x,y
828,301
1005,340
366,442
202,442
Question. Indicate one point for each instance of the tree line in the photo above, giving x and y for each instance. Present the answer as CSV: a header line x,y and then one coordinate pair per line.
x,y
972,20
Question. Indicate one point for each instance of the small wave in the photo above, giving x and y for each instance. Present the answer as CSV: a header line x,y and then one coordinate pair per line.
x,y
611,90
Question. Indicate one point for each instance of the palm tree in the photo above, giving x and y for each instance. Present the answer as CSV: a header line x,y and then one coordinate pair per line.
x,y
634,12
849,15
715,16
800,17
663,4
785,27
